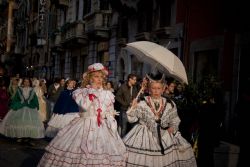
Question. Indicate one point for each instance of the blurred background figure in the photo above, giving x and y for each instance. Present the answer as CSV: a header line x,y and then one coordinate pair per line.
x,y
110,86
65,110
4,100
124,96
13,86
169,89
54,91
23,120
41,99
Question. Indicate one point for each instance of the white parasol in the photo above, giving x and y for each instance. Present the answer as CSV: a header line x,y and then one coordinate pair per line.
x,y
159,57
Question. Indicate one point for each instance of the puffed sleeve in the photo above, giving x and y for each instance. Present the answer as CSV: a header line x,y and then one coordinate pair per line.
x,y
111,97
80,96
134,114
170,117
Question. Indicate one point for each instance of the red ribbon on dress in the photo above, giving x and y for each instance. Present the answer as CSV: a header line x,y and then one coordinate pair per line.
x,y
99,116
99,110
92,97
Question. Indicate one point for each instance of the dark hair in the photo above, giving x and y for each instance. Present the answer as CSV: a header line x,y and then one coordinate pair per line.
x,y
131,76
111,83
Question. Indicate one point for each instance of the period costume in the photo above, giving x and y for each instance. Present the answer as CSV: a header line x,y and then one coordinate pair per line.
x,y
23,119
149,143
65,110
42,102
92,139
4,102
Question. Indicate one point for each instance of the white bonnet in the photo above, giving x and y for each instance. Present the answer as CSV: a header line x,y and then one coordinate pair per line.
x,y
97,67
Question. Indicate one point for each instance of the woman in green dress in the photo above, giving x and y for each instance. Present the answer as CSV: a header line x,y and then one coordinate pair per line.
x,y
23,120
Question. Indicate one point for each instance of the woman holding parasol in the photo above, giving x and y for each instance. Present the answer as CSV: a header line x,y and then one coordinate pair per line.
x,y
155,140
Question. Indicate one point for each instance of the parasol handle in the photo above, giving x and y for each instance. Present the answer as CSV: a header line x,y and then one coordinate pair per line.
x,y
137,96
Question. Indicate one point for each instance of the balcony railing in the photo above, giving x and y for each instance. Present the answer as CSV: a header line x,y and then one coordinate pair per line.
x,y
60,3
98,23
165,32
122,41
74,32
142,36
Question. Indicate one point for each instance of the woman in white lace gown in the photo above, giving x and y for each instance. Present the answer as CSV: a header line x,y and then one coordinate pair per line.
x,y
92,139
155,141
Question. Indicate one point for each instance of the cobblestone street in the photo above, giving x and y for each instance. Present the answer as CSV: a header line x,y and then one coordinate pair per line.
x,y
14,154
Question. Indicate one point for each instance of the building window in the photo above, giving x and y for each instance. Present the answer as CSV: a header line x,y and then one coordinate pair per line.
x,y
86,7
77,10
165,13
123,28
100,57
62,67
104,4
206,63
74,66
144,16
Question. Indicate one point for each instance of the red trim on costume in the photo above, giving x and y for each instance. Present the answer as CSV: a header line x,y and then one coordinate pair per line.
x,y
152,108
92,97
99,110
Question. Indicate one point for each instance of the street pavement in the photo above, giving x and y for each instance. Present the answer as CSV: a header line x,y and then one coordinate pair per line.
x,y
24,154
21,154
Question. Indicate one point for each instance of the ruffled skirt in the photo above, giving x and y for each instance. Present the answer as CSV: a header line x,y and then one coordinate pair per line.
x,y
57,122
144,149
83,143
22,123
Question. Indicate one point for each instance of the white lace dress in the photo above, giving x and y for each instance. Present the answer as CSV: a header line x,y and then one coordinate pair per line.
x,y
150,144
92,139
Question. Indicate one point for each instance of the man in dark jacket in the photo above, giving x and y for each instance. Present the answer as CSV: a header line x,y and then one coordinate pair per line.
x,y
124,96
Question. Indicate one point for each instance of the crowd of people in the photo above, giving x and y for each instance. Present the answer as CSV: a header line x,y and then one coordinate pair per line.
x,y
96,123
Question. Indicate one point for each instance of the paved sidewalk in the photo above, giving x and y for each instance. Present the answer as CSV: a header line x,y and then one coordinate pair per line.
x,y
226,155
14,154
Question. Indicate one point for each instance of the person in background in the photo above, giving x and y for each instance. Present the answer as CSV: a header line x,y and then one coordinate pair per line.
x,y
65,110
44,86
13,87
155,140
124,96
169,90
91,139
23,120
110,86
54,91
41,99
4,99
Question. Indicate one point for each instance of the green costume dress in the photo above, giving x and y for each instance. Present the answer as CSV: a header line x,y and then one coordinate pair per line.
x,y
23,119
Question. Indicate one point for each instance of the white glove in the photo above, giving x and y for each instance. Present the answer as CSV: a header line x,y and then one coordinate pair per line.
x,y
114,113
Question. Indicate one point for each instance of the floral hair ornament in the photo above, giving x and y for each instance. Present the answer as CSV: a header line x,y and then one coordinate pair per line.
x,y
98,67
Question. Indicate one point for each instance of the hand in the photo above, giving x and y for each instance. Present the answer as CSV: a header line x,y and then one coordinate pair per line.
x,y
170,130
134,103
115,113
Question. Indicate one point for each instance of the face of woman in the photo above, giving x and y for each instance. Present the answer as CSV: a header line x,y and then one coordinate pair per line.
x,y
109,85
14,81
97,79
26,83
70,85
156,89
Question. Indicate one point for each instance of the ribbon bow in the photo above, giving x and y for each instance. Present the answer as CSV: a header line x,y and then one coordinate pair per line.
x,y
99,110
92,97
